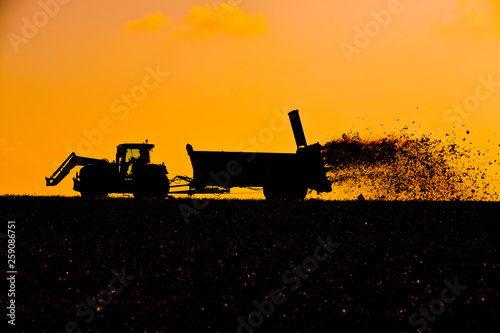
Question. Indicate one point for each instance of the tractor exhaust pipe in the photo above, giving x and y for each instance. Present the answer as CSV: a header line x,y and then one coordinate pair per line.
x,y
298,131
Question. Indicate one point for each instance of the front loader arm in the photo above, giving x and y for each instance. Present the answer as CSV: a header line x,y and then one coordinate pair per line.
x,y
72,161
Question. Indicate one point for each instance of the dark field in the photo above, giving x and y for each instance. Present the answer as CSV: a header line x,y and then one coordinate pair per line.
x,y
393,259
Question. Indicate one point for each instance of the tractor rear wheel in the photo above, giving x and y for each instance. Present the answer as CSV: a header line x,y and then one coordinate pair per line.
x,y
151,182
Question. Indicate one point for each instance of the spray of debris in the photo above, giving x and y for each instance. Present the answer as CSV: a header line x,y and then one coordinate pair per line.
x,y
401,167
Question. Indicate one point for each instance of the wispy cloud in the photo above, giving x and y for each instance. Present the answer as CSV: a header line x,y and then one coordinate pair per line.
x,y
477,18
206,22
151,22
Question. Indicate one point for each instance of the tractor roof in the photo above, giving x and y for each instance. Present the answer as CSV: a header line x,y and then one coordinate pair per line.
x,y
135,146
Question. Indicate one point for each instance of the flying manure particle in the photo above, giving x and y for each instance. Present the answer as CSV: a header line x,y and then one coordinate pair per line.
x,y
405,167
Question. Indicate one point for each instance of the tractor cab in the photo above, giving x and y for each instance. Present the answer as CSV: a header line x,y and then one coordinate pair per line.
x,y
129,155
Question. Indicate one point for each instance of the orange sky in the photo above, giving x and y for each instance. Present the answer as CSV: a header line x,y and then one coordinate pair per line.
x,y
224,71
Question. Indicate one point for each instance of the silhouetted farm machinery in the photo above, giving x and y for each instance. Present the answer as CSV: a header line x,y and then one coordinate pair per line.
x,y
131,173
281,175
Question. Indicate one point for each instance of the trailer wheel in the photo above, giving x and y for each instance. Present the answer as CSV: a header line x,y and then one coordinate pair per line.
x,y
284,190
